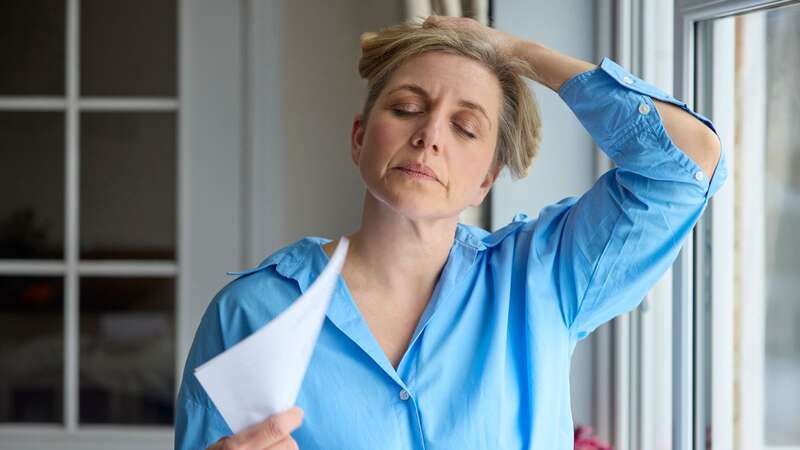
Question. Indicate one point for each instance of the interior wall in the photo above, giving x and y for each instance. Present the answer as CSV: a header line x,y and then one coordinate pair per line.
x,y
306,94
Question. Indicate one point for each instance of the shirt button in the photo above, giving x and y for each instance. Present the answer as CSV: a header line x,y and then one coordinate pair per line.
x,y
404,395
644,109
699,176
627,80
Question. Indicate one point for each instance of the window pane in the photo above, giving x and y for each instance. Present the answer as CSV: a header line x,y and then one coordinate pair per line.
x,y
760,73
128,47
31,349
31,185
32,39
127,350
127,193
782,222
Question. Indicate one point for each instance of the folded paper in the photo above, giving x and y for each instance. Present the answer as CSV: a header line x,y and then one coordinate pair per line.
x,y
262,374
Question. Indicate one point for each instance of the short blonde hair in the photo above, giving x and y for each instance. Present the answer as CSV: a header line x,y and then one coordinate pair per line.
x,y
519,122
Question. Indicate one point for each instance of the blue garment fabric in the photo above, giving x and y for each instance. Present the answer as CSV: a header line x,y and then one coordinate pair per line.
x,y
488,365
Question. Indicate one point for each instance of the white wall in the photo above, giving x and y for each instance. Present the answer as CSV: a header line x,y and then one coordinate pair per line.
x,y
306,93
565,164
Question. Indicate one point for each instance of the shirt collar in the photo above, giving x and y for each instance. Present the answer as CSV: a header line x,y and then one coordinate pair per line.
x,y
303,260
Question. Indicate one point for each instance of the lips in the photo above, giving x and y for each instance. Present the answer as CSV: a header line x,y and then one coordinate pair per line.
x,y
418,169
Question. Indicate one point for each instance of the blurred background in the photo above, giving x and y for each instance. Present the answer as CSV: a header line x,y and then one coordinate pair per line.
x,y
146,147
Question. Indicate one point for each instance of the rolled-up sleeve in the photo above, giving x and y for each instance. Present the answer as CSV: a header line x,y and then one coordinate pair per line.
x,y
608,247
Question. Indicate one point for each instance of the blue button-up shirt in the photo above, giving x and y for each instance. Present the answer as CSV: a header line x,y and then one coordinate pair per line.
x,y
488,364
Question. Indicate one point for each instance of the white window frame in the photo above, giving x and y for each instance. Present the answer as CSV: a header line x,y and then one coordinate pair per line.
x,y
644,400
633,365
209,240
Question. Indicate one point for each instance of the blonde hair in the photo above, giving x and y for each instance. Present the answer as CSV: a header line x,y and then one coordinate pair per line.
x,y
519,131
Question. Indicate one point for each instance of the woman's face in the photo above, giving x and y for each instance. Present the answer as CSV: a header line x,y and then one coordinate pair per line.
x,y
438,110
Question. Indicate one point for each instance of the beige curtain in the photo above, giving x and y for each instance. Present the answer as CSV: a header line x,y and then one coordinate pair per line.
x,y
478,10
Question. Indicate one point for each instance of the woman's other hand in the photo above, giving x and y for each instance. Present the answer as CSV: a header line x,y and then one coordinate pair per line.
x,y
270,434
504,42
545,66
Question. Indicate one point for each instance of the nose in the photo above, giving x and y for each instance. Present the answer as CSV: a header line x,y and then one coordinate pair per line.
x,y
427,135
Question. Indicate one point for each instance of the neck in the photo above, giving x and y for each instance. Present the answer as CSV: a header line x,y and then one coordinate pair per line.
x,y
393,252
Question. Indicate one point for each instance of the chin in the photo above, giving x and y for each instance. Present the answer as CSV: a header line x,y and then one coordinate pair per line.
x,y
414,205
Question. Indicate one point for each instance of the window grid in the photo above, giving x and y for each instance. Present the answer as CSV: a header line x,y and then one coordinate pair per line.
x,y
71,267
88,104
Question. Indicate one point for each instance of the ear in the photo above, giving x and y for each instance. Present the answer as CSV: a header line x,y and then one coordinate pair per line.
x,y
357,139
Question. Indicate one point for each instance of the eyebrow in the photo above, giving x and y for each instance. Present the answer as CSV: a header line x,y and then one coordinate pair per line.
x,y
417,89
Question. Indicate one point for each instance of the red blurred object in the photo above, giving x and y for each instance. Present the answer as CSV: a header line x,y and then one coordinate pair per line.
x,y
585,441
38,293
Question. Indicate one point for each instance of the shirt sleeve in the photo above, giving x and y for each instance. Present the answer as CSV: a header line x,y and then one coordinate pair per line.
x,y
198,423
608,247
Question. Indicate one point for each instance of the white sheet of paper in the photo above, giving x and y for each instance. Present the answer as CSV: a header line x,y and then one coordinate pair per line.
x,y
262,374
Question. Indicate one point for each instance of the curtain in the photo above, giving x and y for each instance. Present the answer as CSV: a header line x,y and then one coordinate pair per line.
x,y
477,9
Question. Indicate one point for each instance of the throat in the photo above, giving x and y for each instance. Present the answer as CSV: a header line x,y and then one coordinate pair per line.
x,y
391,319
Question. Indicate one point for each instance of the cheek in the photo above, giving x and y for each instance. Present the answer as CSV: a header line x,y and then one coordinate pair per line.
x,y
382,141
471,168
385,133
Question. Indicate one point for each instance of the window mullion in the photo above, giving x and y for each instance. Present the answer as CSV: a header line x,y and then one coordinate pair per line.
x,y
682,339
71,381
722,255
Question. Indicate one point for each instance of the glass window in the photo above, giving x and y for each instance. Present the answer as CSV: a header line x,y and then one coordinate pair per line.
x,y
762,77
32,39
114,362
31,349
128,185
128,48
31,185
127,350
782,222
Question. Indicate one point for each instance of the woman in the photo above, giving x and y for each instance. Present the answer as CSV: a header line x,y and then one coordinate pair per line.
x,y
441,335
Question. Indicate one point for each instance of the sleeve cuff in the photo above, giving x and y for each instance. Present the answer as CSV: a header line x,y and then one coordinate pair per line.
x,y
627,80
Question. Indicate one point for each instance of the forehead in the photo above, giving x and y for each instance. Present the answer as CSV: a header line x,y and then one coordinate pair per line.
x,y
443,74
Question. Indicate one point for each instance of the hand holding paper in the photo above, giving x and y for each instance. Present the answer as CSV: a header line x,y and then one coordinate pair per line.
x,y
274,433
261,375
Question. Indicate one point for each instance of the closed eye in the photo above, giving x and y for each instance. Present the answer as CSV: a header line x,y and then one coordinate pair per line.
x,y
464,132
404,113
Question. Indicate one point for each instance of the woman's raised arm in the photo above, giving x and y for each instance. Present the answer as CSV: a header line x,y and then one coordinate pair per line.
x,y
690,135
600,253
552,69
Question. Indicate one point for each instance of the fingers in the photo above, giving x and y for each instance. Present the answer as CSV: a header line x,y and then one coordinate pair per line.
x,y
431,22
272,433
444,21
227,444
366,37
286,444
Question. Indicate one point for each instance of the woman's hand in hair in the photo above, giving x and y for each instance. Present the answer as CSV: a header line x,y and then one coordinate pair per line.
x,y
270,434
547,66
504,42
